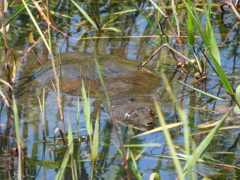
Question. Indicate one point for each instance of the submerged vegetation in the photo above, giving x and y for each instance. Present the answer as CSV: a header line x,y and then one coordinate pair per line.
x,y
178,38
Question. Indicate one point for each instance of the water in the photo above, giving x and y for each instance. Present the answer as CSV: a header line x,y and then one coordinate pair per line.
x,y
134,42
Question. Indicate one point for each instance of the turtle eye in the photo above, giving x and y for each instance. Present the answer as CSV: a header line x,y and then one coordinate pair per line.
x,y
151,112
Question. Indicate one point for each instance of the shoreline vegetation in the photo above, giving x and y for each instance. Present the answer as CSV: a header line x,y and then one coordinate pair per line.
x,y
174,28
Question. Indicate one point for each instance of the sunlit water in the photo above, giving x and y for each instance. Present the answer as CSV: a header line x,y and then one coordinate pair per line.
x,y
43,159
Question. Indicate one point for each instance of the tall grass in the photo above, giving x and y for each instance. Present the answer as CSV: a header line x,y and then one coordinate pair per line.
x,y
18,137
9,99
193,23
110,110
208,37
42,109
191,158
87,112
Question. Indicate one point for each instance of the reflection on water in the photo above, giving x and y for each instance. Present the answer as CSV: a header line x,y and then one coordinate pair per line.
x,y
43,159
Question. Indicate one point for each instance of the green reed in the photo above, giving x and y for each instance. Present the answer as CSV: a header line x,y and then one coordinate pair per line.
x,y
110,109
134,167
68,159
37,26
64,163
92,134
95,146
18,138
191,158
71,151
78,112
85,14
87,111
208,38
42,109
150,23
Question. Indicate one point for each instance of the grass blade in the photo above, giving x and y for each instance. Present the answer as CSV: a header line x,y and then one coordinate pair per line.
x,y
18,137
211,48
236,108
70,136
86,107
184,120
200,149
150,23
63,166
37,27
214,97
169,140
78,112
210,33
17,12
95,139
135,167
191,30
85,14
156,7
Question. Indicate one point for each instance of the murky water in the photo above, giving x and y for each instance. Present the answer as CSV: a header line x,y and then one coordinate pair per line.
x,y
135,43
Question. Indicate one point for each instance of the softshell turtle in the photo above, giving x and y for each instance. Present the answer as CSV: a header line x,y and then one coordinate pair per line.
x,y
130,90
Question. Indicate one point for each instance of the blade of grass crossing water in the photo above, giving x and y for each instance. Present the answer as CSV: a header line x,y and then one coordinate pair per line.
x,y
223,78
86,107
18,137
78,118
3,94
135,167
42,109
156,7
68,153
168,140
174,9
17,12
85,14
63,166
101,78
236,108
200,149
94,148
70,135
110,108
95,139
37,27
49,34
191,30
150,23
70,145
197,23
154,176
74,168
183,118
117,147
157,129
194,16
209,95
210,33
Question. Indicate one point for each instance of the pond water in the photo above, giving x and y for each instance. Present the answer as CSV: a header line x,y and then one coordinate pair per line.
x,y
133,43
